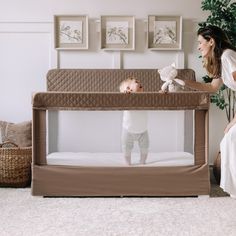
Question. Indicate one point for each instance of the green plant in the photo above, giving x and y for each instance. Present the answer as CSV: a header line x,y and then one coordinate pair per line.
x,y
222,14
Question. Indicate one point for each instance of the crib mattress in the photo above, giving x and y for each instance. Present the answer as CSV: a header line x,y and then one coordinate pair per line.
x,y
117,159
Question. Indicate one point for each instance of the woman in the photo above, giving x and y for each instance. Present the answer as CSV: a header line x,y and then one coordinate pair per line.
x,y
219,57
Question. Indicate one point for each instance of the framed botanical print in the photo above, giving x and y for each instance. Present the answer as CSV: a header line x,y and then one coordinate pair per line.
x,y
71,32
164,32
117,32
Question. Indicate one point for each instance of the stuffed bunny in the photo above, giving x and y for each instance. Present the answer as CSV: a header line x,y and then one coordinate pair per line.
x,y
168,75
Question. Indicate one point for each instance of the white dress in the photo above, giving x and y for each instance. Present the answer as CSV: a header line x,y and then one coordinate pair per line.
x,y
228,143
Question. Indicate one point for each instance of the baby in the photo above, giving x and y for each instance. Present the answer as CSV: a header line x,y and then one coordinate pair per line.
x,y
134,126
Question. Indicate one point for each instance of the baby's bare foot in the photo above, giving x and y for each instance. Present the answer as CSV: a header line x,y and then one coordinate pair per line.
x,y
143,159
128,160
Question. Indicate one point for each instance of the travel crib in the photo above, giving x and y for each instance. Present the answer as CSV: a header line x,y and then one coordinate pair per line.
x,y
97,90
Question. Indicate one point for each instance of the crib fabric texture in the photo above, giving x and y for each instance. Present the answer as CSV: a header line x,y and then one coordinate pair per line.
x,y
97,89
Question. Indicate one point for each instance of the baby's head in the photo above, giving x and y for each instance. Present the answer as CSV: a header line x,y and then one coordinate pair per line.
x,y
131,85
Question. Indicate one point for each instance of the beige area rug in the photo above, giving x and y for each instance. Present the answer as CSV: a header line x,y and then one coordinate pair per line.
x,y
22,214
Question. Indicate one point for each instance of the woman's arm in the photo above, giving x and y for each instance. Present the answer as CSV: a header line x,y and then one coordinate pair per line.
x,y
208,87
231,123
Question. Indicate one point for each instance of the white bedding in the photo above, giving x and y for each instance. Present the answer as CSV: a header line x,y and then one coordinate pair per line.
x,y
117,159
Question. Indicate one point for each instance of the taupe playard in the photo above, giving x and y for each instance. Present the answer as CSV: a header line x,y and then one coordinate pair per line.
x,y
97,89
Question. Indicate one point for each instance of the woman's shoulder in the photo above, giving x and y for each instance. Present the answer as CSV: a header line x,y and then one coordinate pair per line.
x,y
228,53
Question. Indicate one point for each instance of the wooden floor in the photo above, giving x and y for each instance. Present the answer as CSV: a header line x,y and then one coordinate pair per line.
x,y
216,191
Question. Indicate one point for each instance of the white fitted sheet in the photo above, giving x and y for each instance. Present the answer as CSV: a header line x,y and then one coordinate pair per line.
x,y
117,159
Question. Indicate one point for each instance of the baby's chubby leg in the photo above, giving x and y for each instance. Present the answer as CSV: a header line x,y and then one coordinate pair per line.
x,y
143,145
127,145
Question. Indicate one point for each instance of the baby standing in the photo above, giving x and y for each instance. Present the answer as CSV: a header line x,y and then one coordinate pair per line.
x,y
134,126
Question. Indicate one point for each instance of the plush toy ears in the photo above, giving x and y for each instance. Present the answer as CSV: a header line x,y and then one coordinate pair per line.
x,y
173,64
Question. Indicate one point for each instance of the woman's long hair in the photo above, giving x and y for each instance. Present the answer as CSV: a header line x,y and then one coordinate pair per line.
x,y
213,62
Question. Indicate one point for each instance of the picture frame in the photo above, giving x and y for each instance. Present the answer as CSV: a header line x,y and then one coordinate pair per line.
x,y
117,32
71,32
164,32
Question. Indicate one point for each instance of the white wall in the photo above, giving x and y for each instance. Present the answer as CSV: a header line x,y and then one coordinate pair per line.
x,y
27,53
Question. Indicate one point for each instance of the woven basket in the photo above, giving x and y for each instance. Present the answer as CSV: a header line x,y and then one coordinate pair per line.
x,y
15,165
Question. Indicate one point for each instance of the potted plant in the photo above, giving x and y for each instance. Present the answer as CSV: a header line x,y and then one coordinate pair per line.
x,y
222,14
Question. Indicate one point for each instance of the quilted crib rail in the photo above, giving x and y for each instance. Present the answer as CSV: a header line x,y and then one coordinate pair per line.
x,y
118,101
106,80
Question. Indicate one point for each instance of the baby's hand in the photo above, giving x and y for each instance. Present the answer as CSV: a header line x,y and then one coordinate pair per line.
x,y
161,91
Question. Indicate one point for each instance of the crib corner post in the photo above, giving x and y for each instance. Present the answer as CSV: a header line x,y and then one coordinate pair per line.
x,y
201,137
39,136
